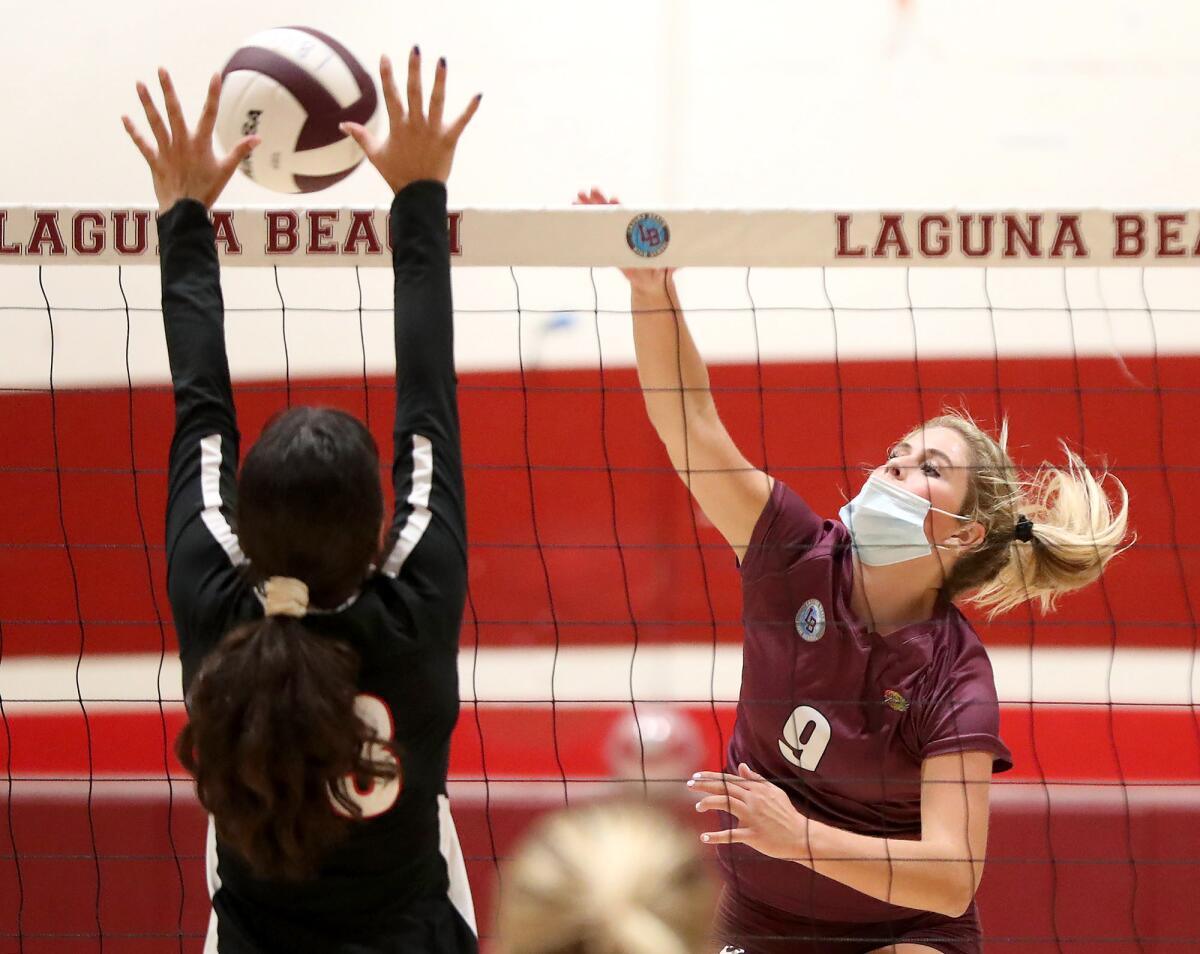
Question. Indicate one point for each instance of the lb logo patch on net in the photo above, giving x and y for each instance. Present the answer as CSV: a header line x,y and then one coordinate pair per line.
x,y
648,234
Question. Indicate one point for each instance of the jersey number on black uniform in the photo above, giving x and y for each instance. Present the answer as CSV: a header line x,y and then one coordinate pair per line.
x,y
381,794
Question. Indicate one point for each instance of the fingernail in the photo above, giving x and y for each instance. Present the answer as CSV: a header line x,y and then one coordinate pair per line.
x,y
478,97
704,838
441,62
416,51
691,782
698,807
695,775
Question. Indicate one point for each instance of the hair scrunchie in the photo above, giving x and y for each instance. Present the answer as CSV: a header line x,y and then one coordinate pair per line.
x,y
285,596
1024,529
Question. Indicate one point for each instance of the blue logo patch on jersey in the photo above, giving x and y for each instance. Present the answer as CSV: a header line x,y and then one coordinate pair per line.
x,y
810,621
648,235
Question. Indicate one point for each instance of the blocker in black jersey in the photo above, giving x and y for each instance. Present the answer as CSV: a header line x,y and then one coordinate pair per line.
x,y
398,881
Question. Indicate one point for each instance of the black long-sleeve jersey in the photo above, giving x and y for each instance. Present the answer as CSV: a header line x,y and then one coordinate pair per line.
x,y
398,882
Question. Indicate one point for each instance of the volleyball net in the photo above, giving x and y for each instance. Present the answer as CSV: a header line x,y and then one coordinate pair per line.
x,y
601,644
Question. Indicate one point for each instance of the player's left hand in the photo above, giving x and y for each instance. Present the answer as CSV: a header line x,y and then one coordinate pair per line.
x,y
419,144
767,821
184,165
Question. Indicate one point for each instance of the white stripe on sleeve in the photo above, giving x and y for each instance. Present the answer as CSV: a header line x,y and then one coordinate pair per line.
x,y
418,498
210,489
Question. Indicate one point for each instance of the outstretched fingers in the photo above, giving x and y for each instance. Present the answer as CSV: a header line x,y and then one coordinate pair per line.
x,y
730,836
391,95
461,123
237,154
725,802
594,197
139,140
437,98
718,788
179,131
361,135
154,118
702,779
416,106
227,166
208,116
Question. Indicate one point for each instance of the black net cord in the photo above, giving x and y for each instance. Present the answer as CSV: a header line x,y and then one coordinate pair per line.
x,y
12,832
630,615
162,631
847,484
362,343
1127,821
1174,546
78,621
678,316
487,784
287,364
537,538
1031,622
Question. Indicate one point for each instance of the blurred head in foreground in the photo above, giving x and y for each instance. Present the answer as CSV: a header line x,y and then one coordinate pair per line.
x,y
614,878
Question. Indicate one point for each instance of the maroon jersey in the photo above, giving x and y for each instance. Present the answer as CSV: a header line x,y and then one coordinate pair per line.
x,y
839,716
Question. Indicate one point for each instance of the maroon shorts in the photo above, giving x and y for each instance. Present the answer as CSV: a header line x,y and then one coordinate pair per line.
x,y
748,926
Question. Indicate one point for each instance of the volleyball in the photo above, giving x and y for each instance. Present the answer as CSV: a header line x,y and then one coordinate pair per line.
x,y
293,86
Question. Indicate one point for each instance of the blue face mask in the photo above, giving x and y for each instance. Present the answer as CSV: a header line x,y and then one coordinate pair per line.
x,y
887,523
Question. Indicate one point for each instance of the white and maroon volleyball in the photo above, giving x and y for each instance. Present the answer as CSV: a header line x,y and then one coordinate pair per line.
x,y
293,86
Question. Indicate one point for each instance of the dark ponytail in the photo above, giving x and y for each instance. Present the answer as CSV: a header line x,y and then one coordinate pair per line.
x,y
273,736
272,730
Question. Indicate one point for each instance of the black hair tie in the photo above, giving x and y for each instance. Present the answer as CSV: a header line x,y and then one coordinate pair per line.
x,y
1024,529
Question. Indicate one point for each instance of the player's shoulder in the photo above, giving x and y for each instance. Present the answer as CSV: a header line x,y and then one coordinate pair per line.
x,y
389,616
960,634
958,653
788,532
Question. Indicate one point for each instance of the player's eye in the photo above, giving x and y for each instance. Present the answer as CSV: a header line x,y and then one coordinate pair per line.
x,y
930,469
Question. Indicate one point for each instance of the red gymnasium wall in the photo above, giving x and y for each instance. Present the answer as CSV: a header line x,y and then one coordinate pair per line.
x,y
536,458
1107,850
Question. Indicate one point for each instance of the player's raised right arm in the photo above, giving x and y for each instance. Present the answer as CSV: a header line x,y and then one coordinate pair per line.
x,y
429,523
730,490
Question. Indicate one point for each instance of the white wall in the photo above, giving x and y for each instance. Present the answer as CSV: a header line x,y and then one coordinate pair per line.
x,y
870,103
680,102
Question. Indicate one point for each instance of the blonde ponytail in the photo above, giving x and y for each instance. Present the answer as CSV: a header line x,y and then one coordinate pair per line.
x,y
620,878
1074,530
1044,536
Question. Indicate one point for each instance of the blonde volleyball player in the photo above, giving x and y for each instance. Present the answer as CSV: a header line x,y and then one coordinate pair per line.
x,y
320,670
867,724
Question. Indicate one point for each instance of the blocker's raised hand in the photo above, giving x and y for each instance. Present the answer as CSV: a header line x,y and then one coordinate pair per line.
x,y
418,144
184,165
